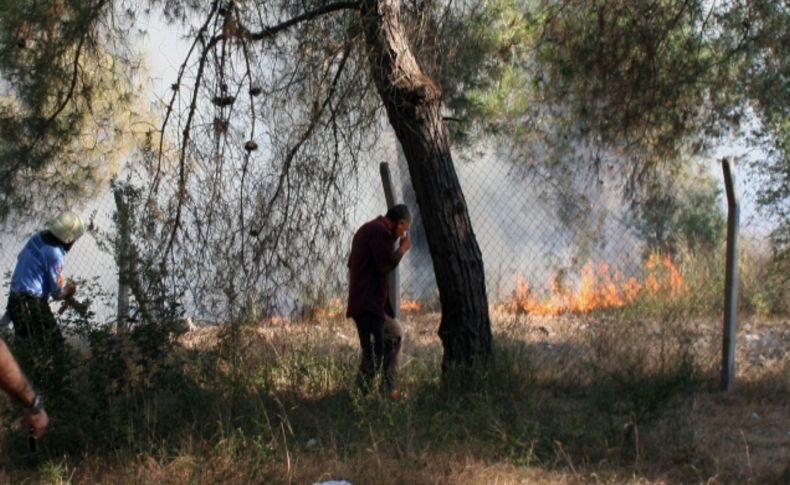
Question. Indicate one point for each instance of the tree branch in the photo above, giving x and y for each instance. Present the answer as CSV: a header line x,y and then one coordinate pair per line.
x,y
176,87
298,145
75,74
182,191
269,31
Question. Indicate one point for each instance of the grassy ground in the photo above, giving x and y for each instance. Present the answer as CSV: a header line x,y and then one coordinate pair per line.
x,y
608,398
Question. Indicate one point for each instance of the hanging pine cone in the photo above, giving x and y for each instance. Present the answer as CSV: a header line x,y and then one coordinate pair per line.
x,y
223,101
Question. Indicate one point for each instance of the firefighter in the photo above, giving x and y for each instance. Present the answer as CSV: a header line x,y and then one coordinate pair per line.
x,y
39,276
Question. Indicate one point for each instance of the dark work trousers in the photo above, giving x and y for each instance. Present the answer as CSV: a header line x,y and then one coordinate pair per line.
x,y
39,346
381,343
33,319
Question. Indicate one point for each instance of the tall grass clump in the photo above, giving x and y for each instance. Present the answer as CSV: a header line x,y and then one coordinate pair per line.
x,y
762,289
764,285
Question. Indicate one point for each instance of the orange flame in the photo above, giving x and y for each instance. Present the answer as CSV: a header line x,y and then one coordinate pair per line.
x,y
410,306
336,308
597,289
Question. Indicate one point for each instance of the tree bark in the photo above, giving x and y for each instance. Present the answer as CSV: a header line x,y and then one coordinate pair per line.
x,y
413,104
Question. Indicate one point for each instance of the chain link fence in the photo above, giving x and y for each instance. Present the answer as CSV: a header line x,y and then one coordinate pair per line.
x,y
552,241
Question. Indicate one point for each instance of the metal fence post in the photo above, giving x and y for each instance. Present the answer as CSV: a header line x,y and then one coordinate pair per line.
x,y
394,277
730,278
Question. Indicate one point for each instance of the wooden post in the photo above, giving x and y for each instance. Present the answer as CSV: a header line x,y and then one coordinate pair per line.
x,y
122,259
730,278
394,277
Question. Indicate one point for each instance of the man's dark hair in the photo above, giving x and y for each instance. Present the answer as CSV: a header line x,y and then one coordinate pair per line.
x,y
398,213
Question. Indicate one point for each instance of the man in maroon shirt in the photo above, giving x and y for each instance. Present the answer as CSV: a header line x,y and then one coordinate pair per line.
x,y
373,256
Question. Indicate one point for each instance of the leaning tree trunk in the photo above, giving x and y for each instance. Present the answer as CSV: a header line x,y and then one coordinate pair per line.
x,y
413,103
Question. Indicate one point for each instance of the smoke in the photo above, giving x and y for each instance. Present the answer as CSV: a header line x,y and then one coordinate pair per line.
x,y
532,219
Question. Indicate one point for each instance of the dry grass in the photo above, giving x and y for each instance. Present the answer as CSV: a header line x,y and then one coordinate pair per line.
x,y
744,432
569,400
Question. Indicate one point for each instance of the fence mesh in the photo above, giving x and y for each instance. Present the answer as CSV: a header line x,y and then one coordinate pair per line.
x,y
547,239
556,247
551,241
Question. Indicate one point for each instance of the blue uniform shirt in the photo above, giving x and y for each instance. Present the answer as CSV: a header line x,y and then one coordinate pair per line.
x,y
39,268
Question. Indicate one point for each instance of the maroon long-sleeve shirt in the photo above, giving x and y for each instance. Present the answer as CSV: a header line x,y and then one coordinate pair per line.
x,y
372,258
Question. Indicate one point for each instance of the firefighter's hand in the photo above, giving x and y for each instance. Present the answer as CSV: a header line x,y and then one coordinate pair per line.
x,y
68,289
36,422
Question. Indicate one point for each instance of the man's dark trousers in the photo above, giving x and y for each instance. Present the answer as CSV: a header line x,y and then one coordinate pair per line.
x,y
381,342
